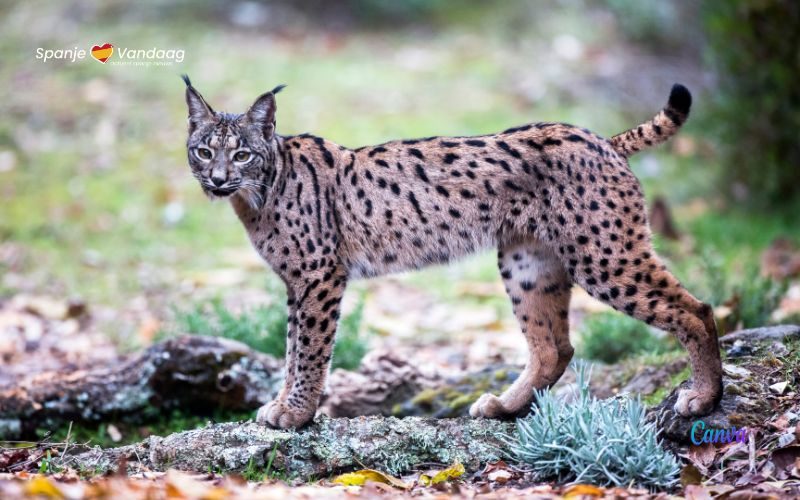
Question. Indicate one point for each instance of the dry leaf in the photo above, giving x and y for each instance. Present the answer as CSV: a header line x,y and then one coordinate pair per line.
x,y
499,476
580,490
696,492
702,455
216,493
690,475
358,478
453,472
40,486
749,478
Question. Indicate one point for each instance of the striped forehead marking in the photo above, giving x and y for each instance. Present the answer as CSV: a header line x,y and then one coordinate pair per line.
x,y
224,135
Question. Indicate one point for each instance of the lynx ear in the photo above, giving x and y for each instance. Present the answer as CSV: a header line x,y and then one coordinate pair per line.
x,y
199,109
262,112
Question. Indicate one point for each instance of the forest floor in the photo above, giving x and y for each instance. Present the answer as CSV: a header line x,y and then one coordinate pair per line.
x,y
761,379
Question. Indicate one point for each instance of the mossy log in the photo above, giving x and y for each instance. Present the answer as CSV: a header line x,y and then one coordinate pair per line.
x,y
196,374
328,446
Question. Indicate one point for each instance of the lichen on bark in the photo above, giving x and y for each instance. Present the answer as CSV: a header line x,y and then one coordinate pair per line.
x,y
329,446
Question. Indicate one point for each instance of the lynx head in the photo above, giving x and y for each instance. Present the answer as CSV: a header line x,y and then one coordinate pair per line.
x,y
231,153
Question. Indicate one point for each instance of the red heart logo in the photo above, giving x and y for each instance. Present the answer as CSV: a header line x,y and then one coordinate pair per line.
x,y
102,52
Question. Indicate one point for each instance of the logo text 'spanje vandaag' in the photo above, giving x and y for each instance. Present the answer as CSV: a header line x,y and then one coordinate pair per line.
x,y
107,53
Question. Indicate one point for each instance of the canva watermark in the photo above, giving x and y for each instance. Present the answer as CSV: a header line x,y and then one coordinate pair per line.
x,y
701,434
107,53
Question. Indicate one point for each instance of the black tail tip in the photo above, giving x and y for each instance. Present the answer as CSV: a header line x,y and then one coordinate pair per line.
x,y
278,88
186,80
680,99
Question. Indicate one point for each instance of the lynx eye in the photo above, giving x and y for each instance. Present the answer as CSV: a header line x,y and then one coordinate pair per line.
x,y
241,156
203,153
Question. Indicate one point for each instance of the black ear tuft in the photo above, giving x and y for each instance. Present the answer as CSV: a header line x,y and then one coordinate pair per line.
x,y
680,99
278,88
199,109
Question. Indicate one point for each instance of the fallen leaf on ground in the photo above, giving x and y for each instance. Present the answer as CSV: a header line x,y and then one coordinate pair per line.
x,y
690,475
40,486
499,476
697,492
581,490
750,478
702,456
453,472
358,478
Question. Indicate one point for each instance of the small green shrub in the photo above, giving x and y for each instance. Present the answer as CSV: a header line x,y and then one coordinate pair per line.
x,y
751,296
610,337
264,329
756,298
608,442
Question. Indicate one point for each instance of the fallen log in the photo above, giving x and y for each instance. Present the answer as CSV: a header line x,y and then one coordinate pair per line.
x,y
328,446
751,335
198,375
194,373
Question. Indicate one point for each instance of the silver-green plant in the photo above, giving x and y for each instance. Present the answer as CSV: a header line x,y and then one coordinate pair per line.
x,y
602,442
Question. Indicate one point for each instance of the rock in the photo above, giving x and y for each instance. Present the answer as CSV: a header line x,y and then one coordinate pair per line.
x,y
734,371
649,379
778,349
778,332
740,349
779,388
734,409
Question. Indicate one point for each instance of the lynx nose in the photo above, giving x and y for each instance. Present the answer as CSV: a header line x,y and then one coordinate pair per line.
x,y
217,180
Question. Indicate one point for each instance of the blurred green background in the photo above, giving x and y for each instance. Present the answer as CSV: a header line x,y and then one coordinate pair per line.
x,y
98,202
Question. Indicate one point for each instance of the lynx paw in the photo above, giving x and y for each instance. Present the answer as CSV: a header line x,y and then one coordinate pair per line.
x,y
280,415
692,403
489,406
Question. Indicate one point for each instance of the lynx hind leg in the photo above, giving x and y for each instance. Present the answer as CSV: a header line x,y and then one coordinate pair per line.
x,y
539,289
638,284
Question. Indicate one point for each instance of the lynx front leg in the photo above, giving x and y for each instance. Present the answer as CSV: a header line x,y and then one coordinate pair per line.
x,y
291,342
312,330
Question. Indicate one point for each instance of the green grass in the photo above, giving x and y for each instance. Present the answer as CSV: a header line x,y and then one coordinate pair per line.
x,y
610,337
255,474
264,328
167,423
